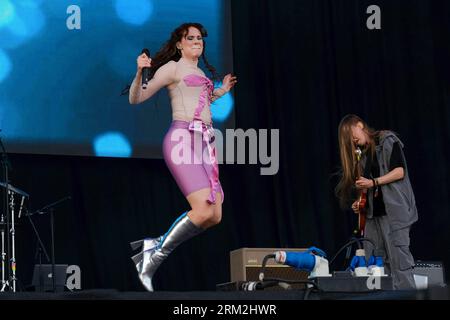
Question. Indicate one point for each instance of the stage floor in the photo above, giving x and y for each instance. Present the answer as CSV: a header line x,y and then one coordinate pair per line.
x,y
111,294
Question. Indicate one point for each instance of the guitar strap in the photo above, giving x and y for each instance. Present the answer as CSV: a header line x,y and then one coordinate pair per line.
x,y
368,168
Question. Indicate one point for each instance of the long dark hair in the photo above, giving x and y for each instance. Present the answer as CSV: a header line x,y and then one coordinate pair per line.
x,y
170,52
347,151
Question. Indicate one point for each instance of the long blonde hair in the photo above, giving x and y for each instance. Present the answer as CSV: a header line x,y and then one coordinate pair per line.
x,y
350,167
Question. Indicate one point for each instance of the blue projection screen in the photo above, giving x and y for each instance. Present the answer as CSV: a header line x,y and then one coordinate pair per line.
x,y
63,65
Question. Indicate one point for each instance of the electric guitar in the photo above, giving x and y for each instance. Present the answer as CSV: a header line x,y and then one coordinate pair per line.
x,y
362,199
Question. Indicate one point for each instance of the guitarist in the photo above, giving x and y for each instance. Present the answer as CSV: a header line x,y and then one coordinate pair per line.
x,y
390,206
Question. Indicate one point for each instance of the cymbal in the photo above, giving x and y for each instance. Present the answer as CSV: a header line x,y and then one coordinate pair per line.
x,y
14,189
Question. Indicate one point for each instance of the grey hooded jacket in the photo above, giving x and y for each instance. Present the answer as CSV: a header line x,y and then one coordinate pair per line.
x,y
398,196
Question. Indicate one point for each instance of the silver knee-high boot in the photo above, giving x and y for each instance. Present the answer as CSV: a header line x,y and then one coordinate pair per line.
x,y
147,244
155,251
143,245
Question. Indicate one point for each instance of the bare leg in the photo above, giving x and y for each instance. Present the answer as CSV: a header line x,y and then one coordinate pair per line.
x,y
204,214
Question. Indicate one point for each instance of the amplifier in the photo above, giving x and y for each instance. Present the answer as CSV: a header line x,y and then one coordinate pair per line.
x,y
433,270
246,263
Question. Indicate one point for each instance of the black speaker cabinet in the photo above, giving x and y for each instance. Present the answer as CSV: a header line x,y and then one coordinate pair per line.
x,y
434,270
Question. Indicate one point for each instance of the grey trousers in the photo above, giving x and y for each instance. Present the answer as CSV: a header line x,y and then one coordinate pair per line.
x,y
393,246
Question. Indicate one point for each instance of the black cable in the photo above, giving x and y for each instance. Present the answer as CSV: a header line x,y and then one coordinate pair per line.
x,y
278,280
267,284
356,240
349,250
272,282
294,281
351,242
263,267
347,255
370,241
307,293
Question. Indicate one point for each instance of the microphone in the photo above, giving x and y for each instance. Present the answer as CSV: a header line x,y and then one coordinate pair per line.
x,y
145,71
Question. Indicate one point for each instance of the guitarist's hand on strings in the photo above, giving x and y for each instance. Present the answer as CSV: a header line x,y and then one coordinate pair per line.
x,y
363,183
355,207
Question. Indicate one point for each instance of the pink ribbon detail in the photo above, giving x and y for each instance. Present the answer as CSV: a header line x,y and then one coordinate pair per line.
x,y
207,131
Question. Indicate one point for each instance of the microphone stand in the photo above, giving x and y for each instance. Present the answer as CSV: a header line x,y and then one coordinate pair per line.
x,y
5,166
41,248
50,207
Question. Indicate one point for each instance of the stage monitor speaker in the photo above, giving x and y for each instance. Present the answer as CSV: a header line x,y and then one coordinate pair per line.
x,y
432,270
246,263
43,277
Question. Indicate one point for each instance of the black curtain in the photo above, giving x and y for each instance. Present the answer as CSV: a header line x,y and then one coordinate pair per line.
x,y
301,66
